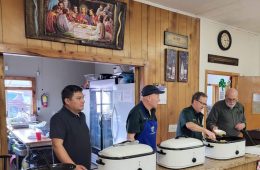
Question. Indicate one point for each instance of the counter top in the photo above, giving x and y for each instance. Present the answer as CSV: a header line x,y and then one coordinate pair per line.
x,y
23,136
213,164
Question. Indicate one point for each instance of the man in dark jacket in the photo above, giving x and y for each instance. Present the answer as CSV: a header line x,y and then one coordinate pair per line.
x,y
190,119
227,115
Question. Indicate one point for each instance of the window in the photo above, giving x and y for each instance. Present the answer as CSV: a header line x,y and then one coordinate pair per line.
x,y
20,96
104,102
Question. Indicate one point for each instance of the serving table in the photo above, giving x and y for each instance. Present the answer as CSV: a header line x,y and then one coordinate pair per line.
x,y
247,162
26,136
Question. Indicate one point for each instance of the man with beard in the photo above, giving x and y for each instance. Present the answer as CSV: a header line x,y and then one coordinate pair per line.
x,y
227,115
51,19
191,118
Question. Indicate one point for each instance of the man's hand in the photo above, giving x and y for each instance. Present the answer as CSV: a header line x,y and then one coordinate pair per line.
x,y
210,134
240,126
80,167
131,136
214,128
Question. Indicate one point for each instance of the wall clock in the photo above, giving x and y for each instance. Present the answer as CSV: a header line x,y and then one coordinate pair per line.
x,y
224,40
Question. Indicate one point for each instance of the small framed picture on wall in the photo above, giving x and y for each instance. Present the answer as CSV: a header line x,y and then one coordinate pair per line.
x,y
183,66
171,65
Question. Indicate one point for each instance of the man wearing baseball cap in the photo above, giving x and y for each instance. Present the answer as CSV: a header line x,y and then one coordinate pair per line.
x,y
141,122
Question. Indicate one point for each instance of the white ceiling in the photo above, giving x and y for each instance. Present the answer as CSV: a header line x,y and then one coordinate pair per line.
x,y
242,14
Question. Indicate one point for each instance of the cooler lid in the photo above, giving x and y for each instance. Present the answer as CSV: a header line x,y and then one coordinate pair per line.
x,y
129,149
181,143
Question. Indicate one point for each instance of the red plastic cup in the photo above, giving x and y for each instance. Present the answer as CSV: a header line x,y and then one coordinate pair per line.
x,y
38,135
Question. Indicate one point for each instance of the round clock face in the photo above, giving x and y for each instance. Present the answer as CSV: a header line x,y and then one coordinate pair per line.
x,y
224,40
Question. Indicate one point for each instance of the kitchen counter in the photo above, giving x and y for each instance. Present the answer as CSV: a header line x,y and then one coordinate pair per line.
x,y
28,137
247,162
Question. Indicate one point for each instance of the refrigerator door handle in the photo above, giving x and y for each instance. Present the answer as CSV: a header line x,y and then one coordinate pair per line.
x,y
112,122
114,115
100,120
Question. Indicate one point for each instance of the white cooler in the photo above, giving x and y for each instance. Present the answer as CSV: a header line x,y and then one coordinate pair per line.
x,y
127,156
225,147
180,153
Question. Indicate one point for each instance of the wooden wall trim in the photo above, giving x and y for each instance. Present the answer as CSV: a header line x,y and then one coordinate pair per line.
x,y
221,73
233,75
137,76
3,129
1,23
72,55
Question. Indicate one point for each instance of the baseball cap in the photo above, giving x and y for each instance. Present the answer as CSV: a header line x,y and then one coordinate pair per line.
x,y
151,89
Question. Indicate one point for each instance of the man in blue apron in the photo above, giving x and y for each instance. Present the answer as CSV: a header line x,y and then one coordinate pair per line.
x,y
141,122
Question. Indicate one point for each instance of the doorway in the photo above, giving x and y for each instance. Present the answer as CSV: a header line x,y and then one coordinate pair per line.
x,y
247,87
216,83
40,74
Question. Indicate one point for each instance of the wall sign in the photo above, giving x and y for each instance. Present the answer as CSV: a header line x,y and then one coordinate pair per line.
x,y
222,60
175,40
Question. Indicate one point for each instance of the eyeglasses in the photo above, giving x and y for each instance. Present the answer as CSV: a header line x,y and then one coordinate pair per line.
x,y
204,104
231,100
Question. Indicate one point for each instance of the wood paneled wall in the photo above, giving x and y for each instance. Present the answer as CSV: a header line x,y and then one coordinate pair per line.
x,y
247,86
143,45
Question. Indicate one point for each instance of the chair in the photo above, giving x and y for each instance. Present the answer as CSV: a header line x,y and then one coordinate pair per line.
x,y
4,161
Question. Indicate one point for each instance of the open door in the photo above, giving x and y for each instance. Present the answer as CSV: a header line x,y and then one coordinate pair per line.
x,y
212,89
247,86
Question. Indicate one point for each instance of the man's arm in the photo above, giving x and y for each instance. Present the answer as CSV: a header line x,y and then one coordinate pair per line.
x,y
243,117
242,122
131,136
133,125
211,121
62,154
194,127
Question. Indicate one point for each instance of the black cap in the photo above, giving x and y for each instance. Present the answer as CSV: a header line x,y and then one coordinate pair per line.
x,y
150,89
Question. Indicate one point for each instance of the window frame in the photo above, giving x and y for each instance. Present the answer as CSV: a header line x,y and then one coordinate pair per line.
x,y
101,104
33,88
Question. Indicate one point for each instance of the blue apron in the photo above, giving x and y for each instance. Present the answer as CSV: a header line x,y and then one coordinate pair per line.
x,y
148,135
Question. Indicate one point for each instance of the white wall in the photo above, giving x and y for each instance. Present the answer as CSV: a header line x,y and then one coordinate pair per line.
x,y
104,68
54,76
245,46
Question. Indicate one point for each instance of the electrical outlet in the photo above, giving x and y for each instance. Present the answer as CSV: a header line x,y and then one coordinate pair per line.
x,y
172,128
